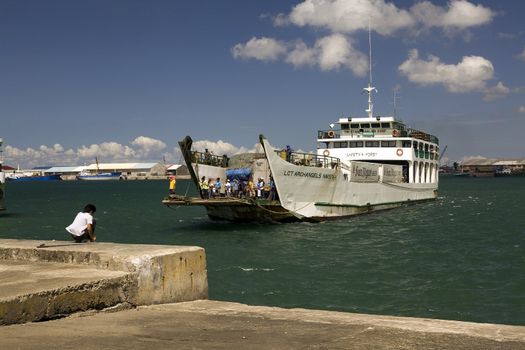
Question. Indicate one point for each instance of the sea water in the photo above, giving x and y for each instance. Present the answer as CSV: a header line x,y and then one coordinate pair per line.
x,y
460,257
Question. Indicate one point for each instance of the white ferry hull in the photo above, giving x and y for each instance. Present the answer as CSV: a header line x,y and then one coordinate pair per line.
x,y
312,193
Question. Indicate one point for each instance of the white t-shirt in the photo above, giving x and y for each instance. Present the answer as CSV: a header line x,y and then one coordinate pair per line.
x,y
79,225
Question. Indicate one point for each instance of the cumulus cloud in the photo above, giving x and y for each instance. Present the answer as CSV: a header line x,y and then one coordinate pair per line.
x,y
263,49
142,149
331,52
496,92
147,145
471,74
459,14
220,147
348,16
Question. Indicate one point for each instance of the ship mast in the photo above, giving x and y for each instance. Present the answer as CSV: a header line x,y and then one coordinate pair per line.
x,y
370,88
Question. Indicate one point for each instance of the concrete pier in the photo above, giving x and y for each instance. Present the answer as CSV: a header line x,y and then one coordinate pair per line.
x,y
221,325
123,296
46,279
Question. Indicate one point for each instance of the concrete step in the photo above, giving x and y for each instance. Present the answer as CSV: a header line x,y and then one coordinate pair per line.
x,y
39,291
46,279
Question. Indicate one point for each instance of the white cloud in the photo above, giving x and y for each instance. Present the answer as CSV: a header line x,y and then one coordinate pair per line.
x,y
147,145
521,109
302,55
347,16
145,149
521,56
336,51
459,14
263,49
471,74
331,52
496,92
220,147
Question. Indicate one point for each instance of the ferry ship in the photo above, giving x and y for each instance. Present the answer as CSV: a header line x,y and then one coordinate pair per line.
x,y
362,165
2,179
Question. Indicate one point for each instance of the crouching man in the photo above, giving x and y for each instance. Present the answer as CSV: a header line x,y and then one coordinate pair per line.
x,y
83,227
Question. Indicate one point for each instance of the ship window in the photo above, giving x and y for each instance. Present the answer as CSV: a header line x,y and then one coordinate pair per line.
x,y
323,145
354,126
385,125
344,126
371,143
415,144
388,143
365,125
342,144
376,125
354,144
406,144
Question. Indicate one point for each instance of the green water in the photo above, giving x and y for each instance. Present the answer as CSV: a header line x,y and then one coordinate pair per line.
x,y
460,257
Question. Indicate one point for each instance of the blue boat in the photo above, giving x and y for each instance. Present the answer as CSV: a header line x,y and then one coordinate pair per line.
x,y
115,175
34,178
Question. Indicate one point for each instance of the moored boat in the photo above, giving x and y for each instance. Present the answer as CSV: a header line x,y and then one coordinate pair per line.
x,y
97,175
114,175
2,180
17,177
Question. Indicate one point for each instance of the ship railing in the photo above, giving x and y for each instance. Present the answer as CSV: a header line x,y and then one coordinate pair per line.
x,y
417,134
309,159
210,159
328,134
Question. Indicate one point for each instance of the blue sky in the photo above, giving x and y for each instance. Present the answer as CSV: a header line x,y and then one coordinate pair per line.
x,y
125,80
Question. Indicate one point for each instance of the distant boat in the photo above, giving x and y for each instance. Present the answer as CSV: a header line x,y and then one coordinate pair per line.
x,y
2,181
115,175
16,177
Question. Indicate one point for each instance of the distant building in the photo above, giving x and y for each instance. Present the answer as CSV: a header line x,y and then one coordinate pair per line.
x,y
493,166
131,171
178,169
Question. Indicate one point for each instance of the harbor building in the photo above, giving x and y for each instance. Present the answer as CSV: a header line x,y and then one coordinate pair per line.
x,y
130,171
479,167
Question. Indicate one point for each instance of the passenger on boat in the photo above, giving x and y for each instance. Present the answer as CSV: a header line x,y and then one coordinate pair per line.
x,y
235,187
250,189
173,184
288,153
228,187
207,157
260,188
211,189
219,190
273,192
204,187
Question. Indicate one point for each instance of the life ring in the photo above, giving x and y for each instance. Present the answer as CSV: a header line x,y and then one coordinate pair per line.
x,y
395,132
331,134
399,152
326,153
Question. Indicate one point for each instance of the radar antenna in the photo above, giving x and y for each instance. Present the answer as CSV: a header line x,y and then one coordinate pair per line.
x,y
370,88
